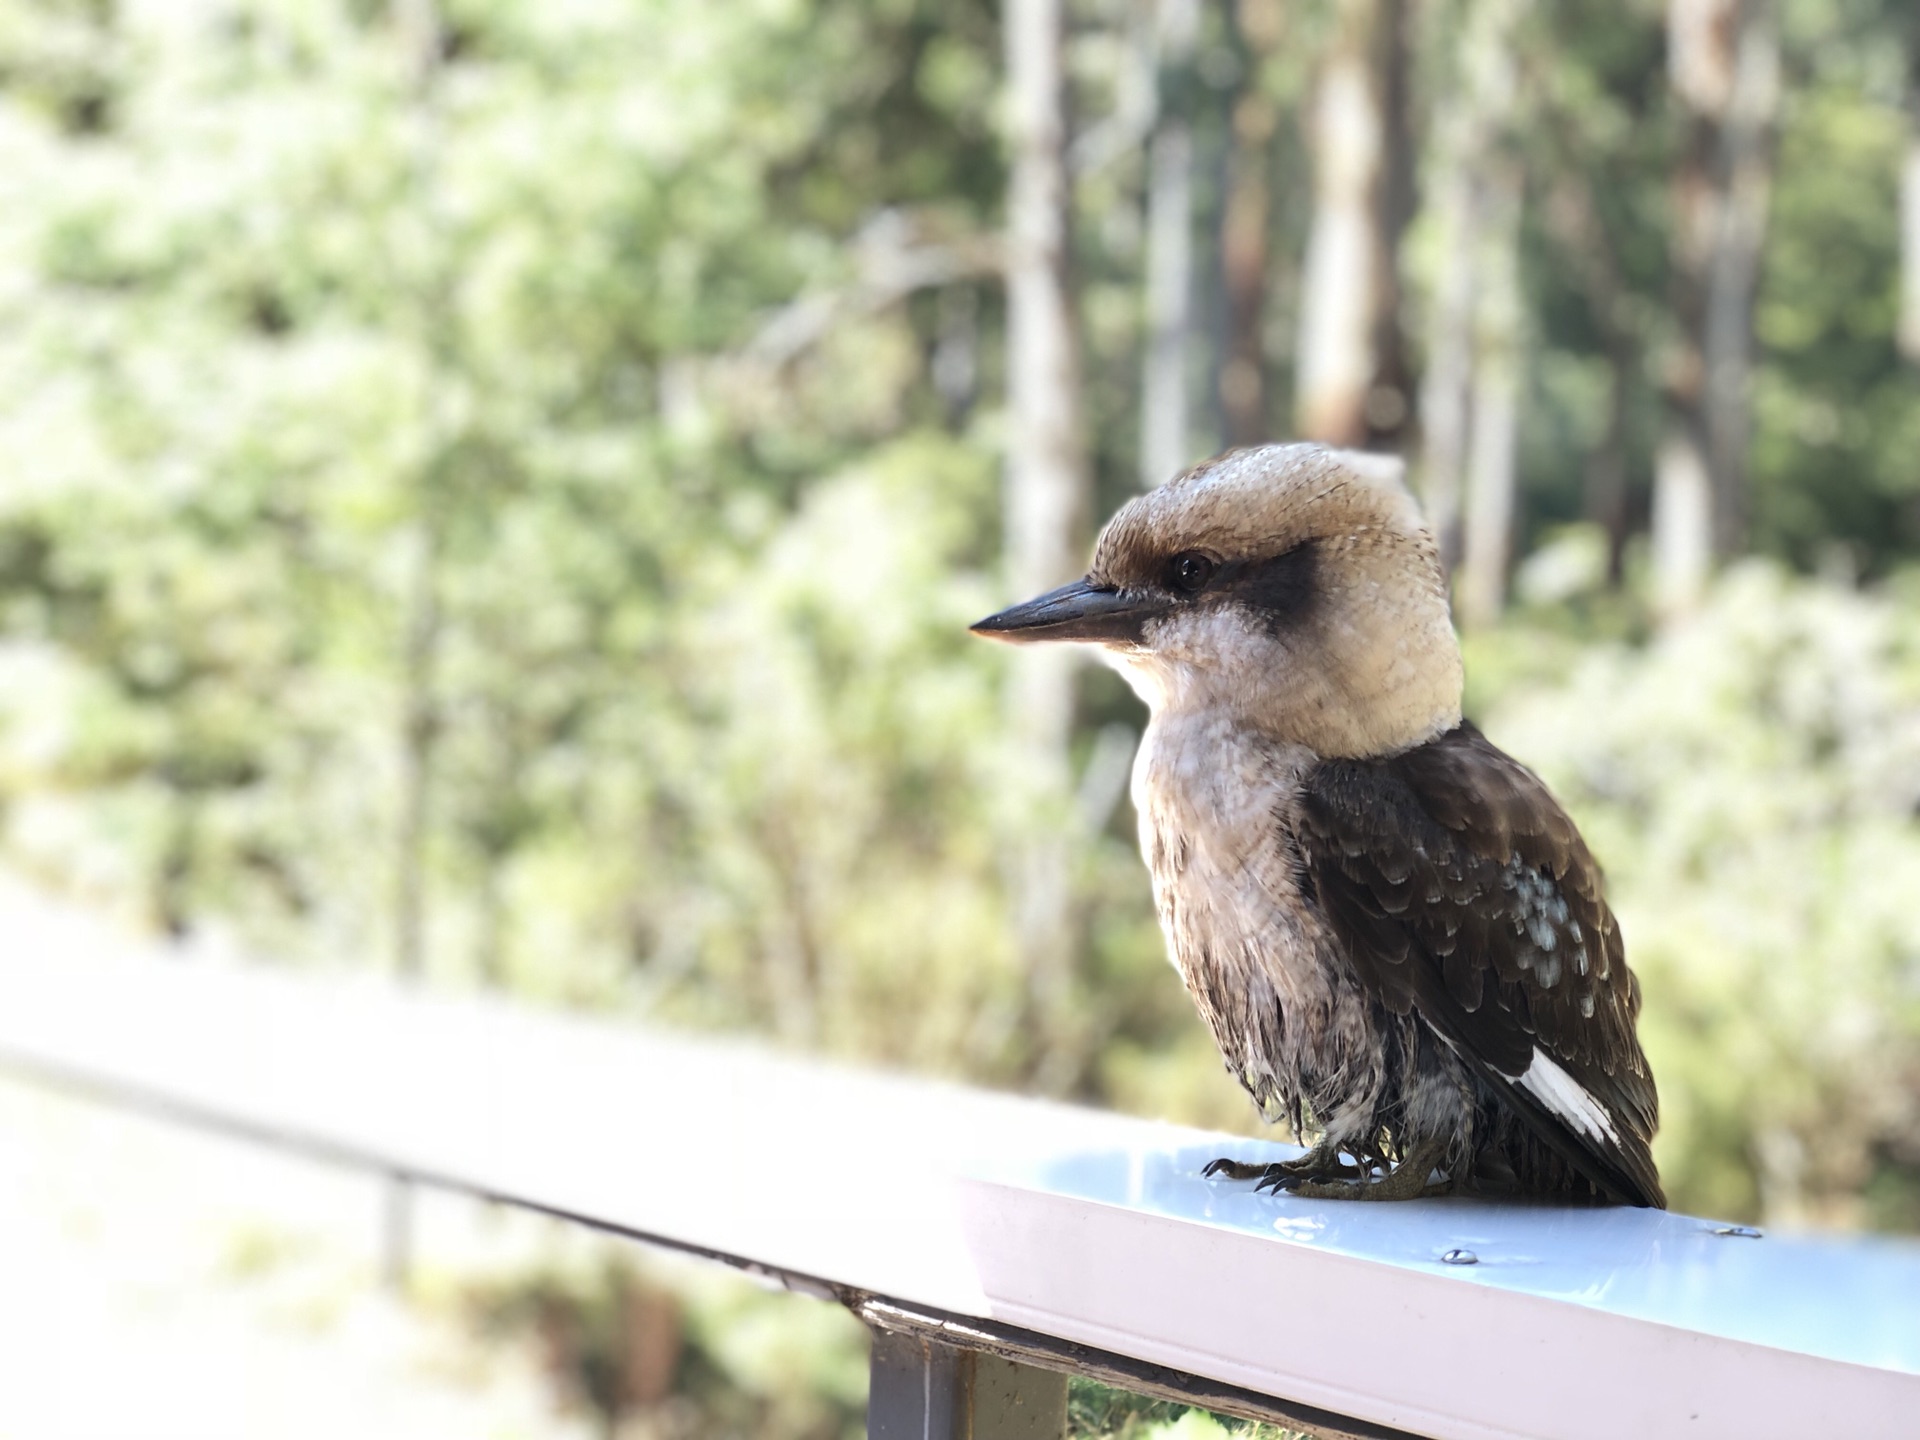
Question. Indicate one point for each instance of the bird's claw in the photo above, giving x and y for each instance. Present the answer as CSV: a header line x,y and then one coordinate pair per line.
x,y
1318,1164
1410,1179
1278,1179
1283,1177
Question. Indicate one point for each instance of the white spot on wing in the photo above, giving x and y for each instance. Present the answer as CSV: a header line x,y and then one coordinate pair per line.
x,y
1563,1095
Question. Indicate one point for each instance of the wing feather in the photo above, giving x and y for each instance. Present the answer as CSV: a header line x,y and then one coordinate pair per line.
x,y
1462,890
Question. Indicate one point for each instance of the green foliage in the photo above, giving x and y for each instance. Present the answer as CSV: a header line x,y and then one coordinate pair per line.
x,y
343,330
688,1354
1833,400
1095,1412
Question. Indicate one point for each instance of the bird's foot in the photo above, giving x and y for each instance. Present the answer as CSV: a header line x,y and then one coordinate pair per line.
x,y
1411,1179
1321,1163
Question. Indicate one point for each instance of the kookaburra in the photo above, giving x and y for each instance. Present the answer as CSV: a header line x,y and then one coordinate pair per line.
x,y
1396,935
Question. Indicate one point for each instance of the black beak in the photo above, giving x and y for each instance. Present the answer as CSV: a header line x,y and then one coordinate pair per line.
x,y
1081,611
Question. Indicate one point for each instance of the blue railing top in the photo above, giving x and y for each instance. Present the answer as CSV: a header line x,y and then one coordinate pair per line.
x,y
1850,1298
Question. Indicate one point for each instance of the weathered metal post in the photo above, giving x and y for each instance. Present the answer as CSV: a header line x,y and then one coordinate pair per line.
x,y
923,1390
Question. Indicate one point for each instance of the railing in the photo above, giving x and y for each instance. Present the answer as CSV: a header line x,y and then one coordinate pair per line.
x,y
997,1245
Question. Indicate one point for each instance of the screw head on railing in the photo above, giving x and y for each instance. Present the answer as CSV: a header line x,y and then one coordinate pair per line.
x,y
1460,1257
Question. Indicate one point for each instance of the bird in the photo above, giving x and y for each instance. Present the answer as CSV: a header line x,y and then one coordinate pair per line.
x,y
1398,938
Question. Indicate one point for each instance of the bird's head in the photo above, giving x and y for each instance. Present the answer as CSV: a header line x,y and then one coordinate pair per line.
x,y
1290,588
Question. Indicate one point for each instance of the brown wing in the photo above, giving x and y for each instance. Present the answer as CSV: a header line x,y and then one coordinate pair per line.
x,y
1461,890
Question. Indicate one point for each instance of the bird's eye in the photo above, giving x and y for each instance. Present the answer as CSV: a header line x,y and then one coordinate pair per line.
x,y
1191,571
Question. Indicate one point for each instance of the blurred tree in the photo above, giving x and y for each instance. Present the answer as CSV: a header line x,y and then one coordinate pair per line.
x,y
1909,331
1245,259
1452,205
1351,373
1835,414
1580,232
1471,401
1723,60
1389,411
1164,427
1047,503
422,40
1499,340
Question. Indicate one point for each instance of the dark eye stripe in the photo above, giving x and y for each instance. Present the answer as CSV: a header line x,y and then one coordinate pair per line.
x,y
1281,590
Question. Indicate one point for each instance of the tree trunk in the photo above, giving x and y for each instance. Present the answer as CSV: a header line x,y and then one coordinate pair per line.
x,y
1472,194
956,352
1334,368
419,733
1604,483
490,922
1389,412
1723,58
1493,408
1909,333
1448,384
1046,500
1682,517
1353,377
1244,229
1576,223
418,23
1733,281
1164,423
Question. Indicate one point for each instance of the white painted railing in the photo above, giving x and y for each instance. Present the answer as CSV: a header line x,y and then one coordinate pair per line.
x,y
996,1244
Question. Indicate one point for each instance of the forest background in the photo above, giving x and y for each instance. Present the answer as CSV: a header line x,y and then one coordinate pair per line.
x,y
495,491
